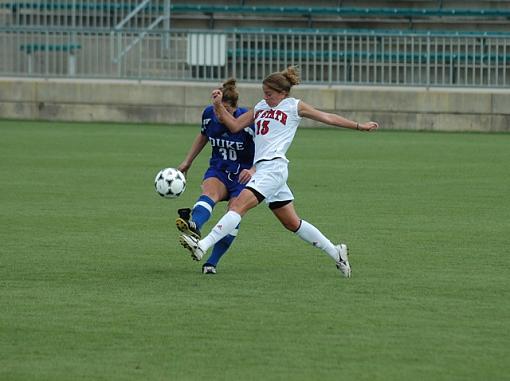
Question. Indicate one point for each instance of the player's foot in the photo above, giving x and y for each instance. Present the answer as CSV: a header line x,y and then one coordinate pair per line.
x,y
207,268
185,226
343,261
191,243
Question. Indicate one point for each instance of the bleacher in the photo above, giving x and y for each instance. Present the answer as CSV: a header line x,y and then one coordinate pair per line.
x,y
454,15
398,42
438,17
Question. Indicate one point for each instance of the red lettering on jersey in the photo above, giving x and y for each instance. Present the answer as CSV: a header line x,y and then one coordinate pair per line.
x,y
272,114
282,117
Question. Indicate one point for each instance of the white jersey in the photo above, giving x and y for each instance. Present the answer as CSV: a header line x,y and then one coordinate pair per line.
x,y
275,128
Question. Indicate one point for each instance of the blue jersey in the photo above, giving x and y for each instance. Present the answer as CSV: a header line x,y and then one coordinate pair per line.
x,y
231,152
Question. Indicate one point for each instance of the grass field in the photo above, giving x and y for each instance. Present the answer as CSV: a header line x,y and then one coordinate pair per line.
x,y
95,287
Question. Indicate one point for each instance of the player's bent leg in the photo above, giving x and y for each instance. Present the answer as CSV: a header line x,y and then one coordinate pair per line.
x,y
190,221
202,210
248,199
244,202
219,249
309,233
223,227
191,244
213,191
185,225
286,214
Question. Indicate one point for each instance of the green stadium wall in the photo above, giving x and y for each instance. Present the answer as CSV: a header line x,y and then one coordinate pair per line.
x,y
399,108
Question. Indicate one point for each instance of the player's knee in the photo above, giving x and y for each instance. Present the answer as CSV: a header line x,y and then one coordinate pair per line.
x,y
241,205
237,207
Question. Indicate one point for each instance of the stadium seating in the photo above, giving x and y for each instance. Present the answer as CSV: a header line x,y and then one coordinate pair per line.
x,y
340,11
365,34
69,49
403,14
368,56
438,17
40,47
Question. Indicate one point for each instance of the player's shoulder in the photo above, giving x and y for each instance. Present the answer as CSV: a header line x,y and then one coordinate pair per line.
x,y
240,111
208,120
288,105
292,101
262,105
208,111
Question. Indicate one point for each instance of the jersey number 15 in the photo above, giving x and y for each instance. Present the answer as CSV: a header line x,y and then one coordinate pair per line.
x,y
262,127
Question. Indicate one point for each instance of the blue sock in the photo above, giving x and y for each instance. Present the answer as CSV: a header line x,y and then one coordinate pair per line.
x,y
202,211
221,247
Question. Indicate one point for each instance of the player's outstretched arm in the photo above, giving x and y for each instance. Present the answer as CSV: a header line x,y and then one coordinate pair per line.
x,y
233,124
307,111
196,147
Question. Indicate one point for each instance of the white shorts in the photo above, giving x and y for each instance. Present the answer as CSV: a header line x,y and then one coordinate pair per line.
x,y
270,180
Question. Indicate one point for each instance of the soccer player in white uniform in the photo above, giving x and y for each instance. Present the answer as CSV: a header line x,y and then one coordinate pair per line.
x,y
276,119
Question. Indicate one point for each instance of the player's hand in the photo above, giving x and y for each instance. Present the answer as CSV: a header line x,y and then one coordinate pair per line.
x,y
368,127
216,96
245,175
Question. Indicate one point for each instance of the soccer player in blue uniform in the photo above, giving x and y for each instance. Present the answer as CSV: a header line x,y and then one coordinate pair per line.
x,y
230,168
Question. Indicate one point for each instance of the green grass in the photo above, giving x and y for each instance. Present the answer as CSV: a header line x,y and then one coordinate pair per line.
x,y
93,285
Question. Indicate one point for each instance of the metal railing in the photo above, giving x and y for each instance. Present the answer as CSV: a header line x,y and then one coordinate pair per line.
x,y
328,57
91,14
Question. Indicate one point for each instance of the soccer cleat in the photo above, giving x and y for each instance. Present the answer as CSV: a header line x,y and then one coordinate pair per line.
x,y
185,226
191,243
343,261
207,268
184,213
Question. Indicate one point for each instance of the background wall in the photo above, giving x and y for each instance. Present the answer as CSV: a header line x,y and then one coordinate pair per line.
x,y
182,102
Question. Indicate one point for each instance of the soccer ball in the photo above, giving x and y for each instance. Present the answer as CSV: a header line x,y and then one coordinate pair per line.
x,y
170,183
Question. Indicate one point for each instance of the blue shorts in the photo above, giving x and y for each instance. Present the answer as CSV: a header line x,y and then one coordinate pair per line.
x,y
228,179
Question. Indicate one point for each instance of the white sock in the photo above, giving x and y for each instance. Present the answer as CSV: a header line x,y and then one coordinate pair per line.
x,y
311,234
225,226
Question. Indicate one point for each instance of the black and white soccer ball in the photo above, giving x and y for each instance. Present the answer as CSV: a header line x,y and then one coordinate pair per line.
x,y
170,183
